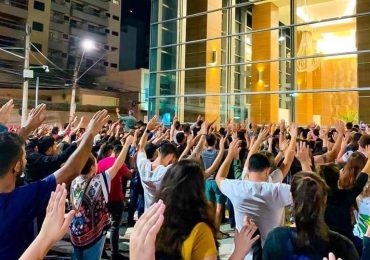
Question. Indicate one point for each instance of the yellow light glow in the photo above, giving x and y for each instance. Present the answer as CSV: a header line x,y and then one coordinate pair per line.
x,y
331,43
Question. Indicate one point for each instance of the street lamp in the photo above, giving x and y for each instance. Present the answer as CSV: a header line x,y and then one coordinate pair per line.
x,y
86,45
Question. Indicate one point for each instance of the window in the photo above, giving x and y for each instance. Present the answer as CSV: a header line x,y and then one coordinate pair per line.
x,y
37,26
115,17
107,31
106,63
66,18
64,55
39,5
37,45
65,36
114,65
115,33
107,14
113,48
106,47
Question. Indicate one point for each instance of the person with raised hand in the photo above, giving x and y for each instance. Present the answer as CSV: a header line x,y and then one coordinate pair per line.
x,y
331,155
19,206
152,173
5,111
262,201
303,156
54,227
35,118
341,201
143,237
89,198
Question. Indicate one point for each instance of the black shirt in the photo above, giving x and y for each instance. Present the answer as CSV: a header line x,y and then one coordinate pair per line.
x,y
39,165
280,244
339,204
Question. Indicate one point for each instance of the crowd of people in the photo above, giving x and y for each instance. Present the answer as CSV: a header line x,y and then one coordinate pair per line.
x,y
289,191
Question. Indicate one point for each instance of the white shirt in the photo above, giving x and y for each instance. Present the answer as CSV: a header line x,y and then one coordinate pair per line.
x,y
264,202
151,179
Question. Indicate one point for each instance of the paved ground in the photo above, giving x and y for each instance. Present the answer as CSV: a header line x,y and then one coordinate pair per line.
x,y
63,249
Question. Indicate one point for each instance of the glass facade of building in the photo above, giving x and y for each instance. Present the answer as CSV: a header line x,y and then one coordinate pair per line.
x,y
298,60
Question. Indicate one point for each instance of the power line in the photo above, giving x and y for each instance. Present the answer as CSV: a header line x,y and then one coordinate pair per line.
x,y
56,66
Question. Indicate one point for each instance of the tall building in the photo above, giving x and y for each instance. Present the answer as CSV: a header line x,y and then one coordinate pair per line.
x,y
303,61
58,28
135,34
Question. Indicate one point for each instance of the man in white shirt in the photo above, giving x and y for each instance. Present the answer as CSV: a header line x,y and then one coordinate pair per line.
x,y
152,173
260,200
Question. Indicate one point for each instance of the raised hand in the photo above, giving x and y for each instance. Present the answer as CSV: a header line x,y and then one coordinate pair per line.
x,y
142,240
293,130
129,140
262,136
117,110
190,140
233,150
56,223
97,122
303,156
5,111
204,128
35,117
244,240
323,134
282,126
152,123
340,127
284,145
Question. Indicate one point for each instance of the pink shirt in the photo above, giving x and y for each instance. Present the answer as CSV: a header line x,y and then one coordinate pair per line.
x,y
118,188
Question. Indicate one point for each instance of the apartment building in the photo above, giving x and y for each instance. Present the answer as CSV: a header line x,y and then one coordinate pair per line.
x,y
58,27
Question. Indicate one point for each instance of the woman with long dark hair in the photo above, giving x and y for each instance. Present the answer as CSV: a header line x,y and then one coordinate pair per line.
x,y
188,231
311,238
351,170
338,214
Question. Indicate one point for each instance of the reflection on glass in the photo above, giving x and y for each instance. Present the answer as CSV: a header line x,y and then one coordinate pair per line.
x,y
255,60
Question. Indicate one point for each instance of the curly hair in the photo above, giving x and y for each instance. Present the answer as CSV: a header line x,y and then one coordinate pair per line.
x,y
182,191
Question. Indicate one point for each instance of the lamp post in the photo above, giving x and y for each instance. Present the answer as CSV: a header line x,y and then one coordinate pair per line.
x,y
86,45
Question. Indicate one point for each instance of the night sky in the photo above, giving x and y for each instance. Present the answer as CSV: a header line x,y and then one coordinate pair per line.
x,y
139,9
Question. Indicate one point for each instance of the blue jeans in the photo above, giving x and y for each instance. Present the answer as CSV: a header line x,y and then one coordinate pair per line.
x,y
90,253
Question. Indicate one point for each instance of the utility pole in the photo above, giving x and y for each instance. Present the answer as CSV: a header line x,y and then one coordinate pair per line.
x,y
37,92
26,69
73,96
74,85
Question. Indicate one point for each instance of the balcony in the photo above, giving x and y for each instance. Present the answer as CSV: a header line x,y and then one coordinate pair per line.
x,y
11,32
84,33
58,45
89,17
13,8
98,3
60,7
59,27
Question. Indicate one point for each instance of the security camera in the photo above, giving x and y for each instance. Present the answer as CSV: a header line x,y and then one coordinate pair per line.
x,y
46,68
